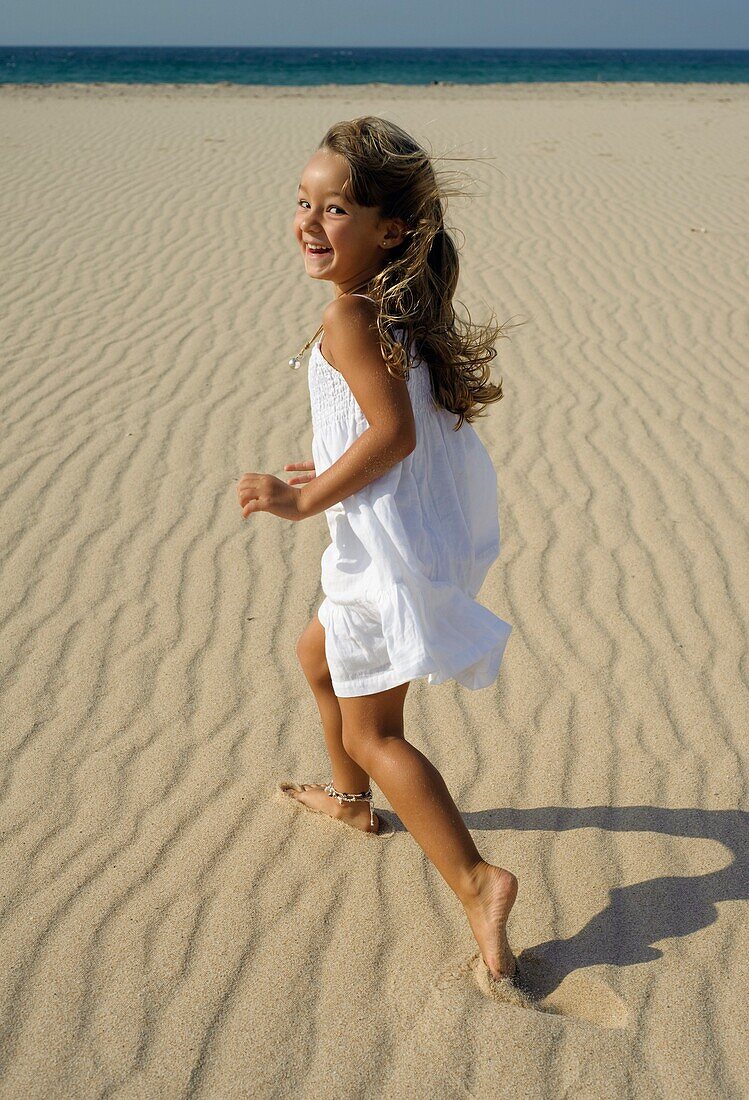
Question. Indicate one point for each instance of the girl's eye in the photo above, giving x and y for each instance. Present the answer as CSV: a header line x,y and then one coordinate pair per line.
x,y
300,201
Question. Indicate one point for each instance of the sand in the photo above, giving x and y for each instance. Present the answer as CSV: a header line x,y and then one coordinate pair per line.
x,y
168,928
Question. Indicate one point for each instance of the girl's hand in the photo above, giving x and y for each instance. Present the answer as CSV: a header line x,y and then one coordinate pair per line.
x,y
265,493
309,465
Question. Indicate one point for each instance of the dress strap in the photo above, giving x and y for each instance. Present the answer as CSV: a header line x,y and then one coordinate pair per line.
x,y
355,295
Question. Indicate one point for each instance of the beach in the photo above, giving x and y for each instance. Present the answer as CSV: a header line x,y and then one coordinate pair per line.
x,y
169,928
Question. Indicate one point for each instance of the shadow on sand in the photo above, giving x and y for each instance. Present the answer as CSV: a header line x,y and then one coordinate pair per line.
x,y
637,916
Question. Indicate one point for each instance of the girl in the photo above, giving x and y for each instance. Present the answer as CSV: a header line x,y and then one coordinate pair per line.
x,y
409,493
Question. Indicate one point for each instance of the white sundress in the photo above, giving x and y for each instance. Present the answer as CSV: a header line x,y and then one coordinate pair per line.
x,y
410,551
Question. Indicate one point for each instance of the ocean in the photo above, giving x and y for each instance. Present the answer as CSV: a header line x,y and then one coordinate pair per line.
x,y
310,65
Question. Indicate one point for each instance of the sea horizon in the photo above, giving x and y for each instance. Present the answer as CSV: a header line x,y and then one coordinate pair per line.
x,y
307,66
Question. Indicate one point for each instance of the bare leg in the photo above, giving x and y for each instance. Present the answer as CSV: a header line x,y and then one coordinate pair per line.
x,y
373,736
346,774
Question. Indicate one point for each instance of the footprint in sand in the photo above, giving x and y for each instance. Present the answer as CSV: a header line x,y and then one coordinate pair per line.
x,y
577,996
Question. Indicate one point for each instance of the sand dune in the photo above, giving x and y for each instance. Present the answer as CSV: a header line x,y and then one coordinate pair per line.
x,y
168,928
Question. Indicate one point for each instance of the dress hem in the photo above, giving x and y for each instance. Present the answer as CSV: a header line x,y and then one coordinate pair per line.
x,y
383,681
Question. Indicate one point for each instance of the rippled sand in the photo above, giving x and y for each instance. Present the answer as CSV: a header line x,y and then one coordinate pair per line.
x,y
168,927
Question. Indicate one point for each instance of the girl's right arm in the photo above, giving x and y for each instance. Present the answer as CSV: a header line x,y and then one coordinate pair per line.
x,y
309,465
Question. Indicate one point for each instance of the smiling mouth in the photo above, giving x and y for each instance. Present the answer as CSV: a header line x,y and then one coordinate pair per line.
x,y
317,251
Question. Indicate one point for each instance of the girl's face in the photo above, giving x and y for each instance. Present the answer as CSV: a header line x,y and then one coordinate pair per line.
x,y
357,239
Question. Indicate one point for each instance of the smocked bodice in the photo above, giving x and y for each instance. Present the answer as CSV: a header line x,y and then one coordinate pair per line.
x,y
331,398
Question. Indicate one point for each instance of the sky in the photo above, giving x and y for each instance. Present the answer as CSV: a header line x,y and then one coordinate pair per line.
x,y
633,24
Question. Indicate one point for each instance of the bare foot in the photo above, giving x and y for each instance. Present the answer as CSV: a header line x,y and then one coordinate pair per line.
x,y
487,910
353,813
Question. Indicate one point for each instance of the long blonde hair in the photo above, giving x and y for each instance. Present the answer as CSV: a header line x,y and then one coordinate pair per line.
x,y
391,171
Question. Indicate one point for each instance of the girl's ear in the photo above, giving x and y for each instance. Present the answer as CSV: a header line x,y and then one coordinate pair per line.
x,y
395,233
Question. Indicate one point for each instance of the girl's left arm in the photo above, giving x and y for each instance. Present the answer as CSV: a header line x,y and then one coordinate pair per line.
x,y
351,335
369,457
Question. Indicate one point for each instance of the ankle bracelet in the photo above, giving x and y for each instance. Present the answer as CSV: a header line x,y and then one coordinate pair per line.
x,y
365,796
